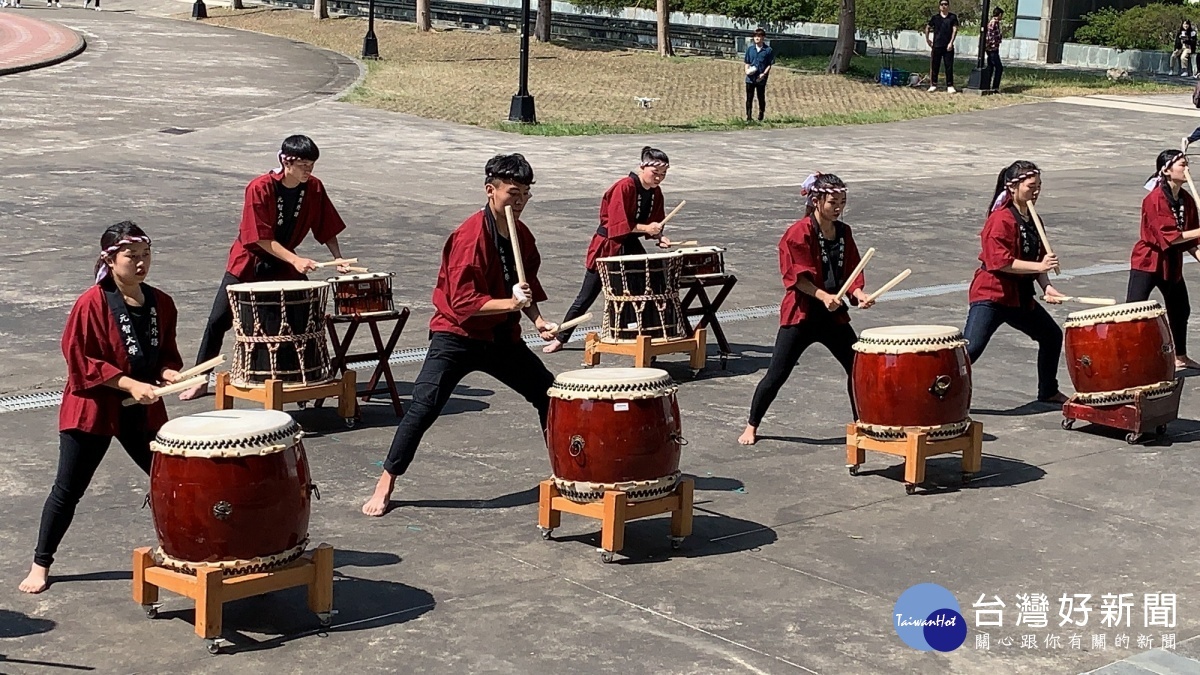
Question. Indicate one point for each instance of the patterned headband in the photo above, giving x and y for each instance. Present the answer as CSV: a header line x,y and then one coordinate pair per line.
x,y
653,162
809,188
1156,179
1021,177
106,253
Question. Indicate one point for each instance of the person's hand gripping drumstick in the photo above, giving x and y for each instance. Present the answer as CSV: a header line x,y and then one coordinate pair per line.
x,y
663,241
1041,230
522,294
864,301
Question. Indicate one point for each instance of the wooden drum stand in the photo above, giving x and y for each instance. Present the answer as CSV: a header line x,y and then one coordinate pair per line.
x,y
644,349
915,448
615,511
274,393
1138,417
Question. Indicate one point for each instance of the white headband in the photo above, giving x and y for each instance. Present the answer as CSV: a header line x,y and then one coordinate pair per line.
x,y
103,271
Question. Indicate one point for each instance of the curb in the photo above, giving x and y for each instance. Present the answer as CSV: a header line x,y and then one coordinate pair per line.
x,y
75,50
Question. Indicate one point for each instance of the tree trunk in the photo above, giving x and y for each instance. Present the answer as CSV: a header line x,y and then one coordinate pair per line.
x,y
541,31
237,4
424,19
664,29
844,49
320,9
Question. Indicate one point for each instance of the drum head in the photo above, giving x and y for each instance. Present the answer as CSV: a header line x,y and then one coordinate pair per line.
x,y
631,258
902,339
227,433
276,286
1130,311
370,276
612,383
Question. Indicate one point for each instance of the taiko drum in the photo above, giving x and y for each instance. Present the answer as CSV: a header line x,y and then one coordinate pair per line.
x,y
912,376
1111,349
702,261
614,429
359,294
230,489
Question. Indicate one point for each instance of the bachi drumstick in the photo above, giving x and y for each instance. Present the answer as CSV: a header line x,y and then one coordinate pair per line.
x,y
889,285
170,389
202,367
570,324
339,261
1084,301
673,212
516,244
854,275
1037,222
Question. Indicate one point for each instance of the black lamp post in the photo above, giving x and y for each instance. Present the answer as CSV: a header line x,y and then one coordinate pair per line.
x,y
522,109
199,10
975,83
370,44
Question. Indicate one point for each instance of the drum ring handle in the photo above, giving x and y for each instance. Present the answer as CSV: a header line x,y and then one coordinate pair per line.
x,y
222,510
678,438
314,490
940,386
576,446
1166,348
1085,362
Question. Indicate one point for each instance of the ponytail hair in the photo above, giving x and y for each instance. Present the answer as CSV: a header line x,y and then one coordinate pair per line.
x,y
819,184
116,236
1011,177
654,157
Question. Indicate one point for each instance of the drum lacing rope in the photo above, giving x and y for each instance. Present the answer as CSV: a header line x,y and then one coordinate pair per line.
x,y
1116,315
262,444
642,490
1150,392
948,341
938,432
313,332
232,567
662,301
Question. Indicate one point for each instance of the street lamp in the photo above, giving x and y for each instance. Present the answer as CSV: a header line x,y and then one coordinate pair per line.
x,y
975,83
370,44
522,109
199,11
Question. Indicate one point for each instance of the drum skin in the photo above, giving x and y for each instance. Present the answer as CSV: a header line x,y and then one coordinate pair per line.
x,y
1120,355
901,390
233,508
639,443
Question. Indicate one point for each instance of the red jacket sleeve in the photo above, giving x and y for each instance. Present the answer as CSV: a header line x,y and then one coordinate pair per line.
x,y
999,243
466,285
533,262
258,217
87,330
168,347
852,259
621,212
796,258
329,222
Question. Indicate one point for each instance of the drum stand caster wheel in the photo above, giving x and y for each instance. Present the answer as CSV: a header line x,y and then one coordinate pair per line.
x,y
1160,430
302,404
1067,424
606,557
546,531
325,618
967,477
151,611
910,489
676,543
1132,437
853,469
213,645
350,422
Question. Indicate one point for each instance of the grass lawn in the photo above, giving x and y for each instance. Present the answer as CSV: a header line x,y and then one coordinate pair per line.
x,y
469,77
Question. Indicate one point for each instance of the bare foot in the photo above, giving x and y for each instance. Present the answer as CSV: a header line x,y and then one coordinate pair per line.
x,y
378,503
1182,362
1058,397
36,581
749,436
554,346
195,392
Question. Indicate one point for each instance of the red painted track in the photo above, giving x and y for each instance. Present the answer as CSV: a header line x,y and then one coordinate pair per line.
x,y
27,43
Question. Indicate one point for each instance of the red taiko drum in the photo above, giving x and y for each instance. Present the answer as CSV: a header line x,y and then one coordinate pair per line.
x,y
362,294
912,377
614,429
230,489
1116,349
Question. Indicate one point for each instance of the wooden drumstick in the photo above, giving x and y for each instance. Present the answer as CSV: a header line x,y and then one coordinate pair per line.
x,y
854,275
889,285
339,261
1084,301
202,367
516,243
673,212
1041,230
170,389
571,324
693,242
1192,186
357,270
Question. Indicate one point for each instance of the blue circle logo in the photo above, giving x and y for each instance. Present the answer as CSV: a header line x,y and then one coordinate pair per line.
x,y
927,617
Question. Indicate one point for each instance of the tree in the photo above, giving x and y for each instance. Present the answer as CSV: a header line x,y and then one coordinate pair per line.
x,y
320,9
541,31
844,49
664,29
424,22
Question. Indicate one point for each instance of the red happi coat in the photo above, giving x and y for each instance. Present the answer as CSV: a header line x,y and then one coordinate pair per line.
x,y
1000,245
800,257
471,274
260,214
618,217
1153,252
96,353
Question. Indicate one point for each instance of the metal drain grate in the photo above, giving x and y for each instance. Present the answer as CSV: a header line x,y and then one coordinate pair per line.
x,y
43,399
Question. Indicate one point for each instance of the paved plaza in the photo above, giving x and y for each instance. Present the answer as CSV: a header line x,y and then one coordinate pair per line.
x,y
794,565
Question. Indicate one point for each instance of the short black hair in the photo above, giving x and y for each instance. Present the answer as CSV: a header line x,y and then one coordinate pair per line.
x,y
650,154
301,147
997,12
508,168
760,31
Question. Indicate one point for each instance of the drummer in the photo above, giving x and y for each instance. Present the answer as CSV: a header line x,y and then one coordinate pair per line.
x,y
1169,227
630,210
1012,260
118,342
282,206
478,301
816,255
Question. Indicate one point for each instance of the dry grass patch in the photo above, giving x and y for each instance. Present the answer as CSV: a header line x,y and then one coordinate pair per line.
x,y
469,77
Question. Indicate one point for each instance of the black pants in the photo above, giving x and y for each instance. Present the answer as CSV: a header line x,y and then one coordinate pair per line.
x,y
220,320
449,360
985,317
1175,299
991,74
759,87
790,343
79,455
588,292
936,59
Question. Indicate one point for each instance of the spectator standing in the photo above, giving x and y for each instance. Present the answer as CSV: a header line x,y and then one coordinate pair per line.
x,y
759,60
939,34
1185,46
991,44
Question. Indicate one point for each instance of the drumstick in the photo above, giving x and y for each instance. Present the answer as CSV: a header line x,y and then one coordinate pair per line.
x,y
339,261
516,244
1037,222
1085,301
1195,196
889,285
685,243
357,269
673,212
170,389
854,275
202,367
571,324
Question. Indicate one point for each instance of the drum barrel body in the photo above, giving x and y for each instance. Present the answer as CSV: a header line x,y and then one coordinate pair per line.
x,y
280,313
209,510
702,262
924,388
614,441
1113,356
641,297
353,295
